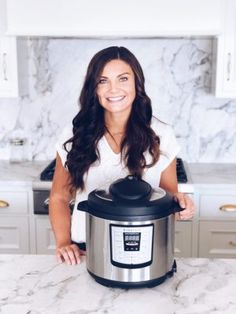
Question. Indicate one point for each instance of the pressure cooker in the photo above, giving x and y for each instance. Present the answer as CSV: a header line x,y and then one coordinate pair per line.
x,y
130,234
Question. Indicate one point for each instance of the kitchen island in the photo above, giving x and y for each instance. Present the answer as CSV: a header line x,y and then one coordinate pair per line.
x,y
37,284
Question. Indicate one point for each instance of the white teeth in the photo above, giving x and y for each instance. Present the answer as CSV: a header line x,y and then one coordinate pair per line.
x,y
117,98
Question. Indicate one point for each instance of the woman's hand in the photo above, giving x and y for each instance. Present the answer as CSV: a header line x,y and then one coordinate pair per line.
x,y
70,254
185,202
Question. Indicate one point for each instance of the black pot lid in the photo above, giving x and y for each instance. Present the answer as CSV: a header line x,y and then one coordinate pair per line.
x,y
104,194
129,199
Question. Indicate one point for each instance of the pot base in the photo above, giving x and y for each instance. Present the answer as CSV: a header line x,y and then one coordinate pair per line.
x,y
137,284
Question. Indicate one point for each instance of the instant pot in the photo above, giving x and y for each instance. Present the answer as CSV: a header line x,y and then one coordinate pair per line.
x,y
130,234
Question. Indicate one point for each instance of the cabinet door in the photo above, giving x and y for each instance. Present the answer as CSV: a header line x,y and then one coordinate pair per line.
x,y
217,239
225,85
8,67
45,242
14,235
183,239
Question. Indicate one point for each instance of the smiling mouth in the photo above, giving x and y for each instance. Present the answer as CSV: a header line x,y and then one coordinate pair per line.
x,y
115,99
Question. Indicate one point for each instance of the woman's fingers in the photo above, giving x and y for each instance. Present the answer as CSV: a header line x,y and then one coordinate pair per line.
x,y
179,197
59,257
69,254
185,202
71,257
77,253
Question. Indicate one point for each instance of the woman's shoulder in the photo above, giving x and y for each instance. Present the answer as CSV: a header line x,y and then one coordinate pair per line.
x,y
67,131
168,141
160,128
65,134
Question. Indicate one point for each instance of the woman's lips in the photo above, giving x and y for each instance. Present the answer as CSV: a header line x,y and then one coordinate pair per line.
x,y
115,98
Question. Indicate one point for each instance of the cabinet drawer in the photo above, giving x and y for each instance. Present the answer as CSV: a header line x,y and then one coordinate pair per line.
x,y
45,242
183,239
217,239
210,205
16,202
14,235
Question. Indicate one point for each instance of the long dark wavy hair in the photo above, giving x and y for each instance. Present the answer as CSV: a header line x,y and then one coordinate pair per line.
x,y
89,125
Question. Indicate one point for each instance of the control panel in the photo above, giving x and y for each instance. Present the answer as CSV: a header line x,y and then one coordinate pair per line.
x,y
131,246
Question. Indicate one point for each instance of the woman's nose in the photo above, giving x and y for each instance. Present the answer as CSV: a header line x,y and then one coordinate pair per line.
x,y
113,86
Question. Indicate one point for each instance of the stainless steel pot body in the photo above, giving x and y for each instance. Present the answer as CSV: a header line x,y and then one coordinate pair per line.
x,y
99,250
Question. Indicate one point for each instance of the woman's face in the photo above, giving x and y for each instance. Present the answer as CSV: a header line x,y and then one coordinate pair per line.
x,y
116,87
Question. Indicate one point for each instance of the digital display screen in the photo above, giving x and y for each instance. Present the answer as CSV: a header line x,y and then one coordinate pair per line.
x,y
132,241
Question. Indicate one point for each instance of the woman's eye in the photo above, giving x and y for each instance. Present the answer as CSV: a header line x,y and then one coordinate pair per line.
x,y
102,81
123,78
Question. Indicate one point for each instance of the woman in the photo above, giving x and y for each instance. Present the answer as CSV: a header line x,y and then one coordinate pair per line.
x,y
114,134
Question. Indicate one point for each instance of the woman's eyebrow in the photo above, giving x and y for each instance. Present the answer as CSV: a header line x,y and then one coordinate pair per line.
x,y
125,73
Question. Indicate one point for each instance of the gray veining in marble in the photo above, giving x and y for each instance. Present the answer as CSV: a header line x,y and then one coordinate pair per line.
x,y
31,284
178,80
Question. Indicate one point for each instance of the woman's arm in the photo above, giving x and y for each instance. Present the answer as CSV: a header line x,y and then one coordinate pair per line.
x,y
169,183
60,216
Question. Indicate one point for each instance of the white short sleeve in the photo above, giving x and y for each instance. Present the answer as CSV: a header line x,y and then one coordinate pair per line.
x,y
169,147
63,137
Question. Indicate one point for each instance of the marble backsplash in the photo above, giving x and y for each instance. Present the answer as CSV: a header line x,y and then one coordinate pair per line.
x,y
178,80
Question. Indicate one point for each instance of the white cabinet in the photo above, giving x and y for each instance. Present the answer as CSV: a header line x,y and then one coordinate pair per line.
x,y
217,222
107,18
13,67
183,239
14,220
225,49
14,235
217,239
2,16
186,233
45,241
8,67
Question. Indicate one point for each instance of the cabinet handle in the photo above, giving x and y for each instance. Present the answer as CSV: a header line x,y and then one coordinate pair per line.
x,y
229,66
232,243
71,204
228,208
46,203
4,66
4,204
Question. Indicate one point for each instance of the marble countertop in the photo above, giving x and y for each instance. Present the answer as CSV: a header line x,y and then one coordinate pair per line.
x,y
198,173
36,284
28,171
205,173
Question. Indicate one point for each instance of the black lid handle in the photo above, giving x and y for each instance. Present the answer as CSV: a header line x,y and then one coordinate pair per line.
x,y
177,207
130,188
83,206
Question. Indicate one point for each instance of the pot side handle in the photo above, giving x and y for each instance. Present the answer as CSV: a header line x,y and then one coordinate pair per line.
x,y
177,207
83,206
